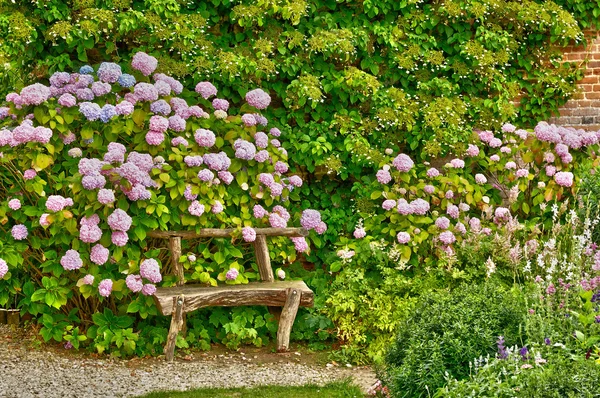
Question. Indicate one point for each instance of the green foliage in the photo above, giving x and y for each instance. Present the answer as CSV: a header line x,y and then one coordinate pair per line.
x,y
340,389
558,376
421,71
445,332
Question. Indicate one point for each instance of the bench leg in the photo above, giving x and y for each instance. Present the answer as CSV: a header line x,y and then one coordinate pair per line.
x,y
176,326
288,315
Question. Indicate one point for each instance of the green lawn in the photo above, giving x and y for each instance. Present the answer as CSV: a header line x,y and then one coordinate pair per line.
x,y
332,390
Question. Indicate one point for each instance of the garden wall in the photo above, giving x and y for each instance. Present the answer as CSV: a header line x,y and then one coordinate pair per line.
x,y
583,110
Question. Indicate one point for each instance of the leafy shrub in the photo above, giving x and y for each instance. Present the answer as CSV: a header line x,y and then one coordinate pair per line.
x,y
98,159
554,375
445,332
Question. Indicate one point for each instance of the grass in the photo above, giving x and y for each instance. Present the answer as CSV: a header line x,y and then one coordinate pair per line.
x,y
332,390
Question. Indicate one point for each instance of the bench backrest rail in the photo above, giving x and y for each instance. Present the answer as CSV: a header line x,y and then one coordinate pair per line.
x,y
261,250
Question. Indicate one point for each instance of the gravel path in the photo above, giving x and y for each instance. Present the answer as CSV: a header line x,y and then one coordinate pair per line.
x,y
49,373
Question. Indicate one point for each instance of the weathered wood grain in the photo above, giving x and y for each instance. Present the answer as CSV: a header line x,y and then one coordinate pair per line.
x,y
254,293
288,315
177,305
175,248
261,250
226,233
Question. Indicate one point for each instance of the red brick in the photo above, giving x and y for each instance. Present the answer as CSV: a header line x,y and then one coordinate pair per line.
x,y
596,88
570,105
589,79
583,112
592,96
586,88
585,104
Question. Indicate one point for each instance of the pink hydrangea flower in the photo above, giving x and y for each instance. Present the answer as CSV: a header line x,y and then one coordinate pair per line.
x,y
453,211
480,179
276,221
472,151
44,222
281,274
447,238
90,233
99,254
145,63
258,98
449,194
259,211
206,89
442,223
150,270
495,158
88,279
510,166
403,163
106,196
486,136
300,244
58,203
429,189
148,289
550,170
217,207
134,283
119,220
105,287
383,176
433,172
457,163
3,268
249,234
205,138
564,178
71,260
359,233
310,219
403,237
119,238
196,208
522,173
14,204
403,207
321,228
495,143
29,174
388,204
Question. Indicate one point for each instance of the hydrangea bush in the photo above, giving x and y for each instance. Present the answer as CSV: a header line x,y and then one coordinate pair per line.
x,y
424,224
100,157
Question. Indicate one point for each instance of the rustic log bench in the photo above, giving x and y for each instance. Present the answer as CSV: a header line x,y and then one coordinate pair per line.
x,y
180,299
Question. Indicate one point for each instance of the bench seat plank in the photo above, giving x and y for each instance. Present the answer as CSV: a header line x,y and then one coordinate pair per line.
x,y
253,293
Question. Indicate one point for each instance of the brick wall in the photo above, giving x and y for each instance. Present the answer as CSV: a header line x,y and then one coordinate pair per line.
x,y
583,109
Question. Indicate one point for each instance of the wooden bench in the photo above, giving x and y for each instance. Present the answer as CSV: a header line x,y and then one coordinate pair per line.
x,y
182,298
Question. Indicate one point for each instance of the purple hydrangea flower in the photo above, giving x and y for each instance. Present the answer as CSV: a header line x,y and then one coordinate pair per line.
x,y
225,176
108,112
442,223
217,207
433,172
383,176
109,72
29,174
154,138
452,211
160,107
276,221
262,156
248,119
388,204
196,208
99,88
275,132
3,268
124,108
19,232
177,123
564,178
206,175
232,274
90,110
145,92
310,219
